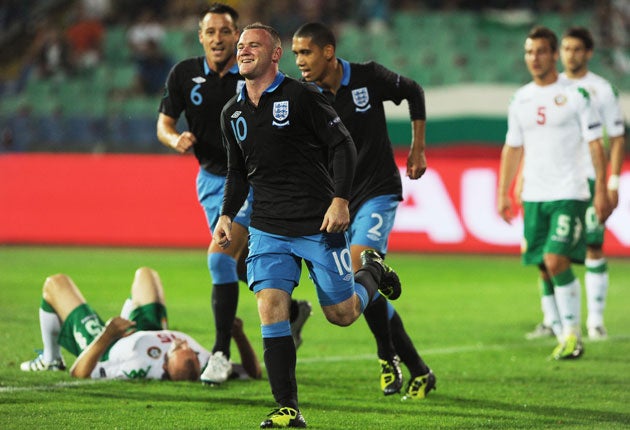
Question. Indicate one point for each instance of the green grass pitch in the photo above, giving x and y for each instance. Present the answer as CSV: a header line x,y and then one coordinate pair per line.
x,y
466,314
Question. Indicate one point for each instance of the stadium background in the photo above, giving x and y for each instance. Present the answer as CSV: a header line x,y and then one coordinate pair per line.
x,y
80,163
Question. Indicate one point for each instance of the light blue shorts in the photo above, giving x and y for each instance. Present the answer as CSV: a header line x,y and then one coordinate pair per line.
x,y
276,262
210,194
374,222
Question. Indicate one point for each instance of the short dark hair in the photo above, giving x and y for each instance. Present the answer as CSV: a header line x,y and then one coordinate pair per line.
x,y
583,34
275,36
541,32
319,34
220,9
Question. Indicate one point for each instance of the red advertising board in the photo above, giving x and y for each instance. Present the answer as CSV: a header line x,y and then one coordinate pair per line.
x,y
149,200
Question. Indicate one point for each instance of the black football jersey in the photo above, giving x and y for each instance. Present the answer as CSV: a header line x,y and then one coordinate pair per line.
x,y
193,88
282,149
359,103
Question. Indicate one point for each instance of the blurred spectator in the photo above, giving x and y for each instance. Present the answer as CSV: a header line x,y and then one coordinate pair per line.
x,y
620,29
97,9
373,14
19,132
85,36
52,54
143,32
283,15
153,68
12,12
126,12
185,13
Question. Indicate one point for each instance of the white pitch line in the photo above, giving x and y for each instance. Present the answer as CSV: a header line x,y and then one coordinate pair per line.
x,y
448,350
434,351
58,385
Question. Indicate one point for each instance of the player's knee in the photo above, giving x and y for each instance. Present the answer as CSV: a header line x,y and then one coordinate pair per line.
x,y
56,286
594,252
340,320
222,268
54,283
144,273
556,264
341,316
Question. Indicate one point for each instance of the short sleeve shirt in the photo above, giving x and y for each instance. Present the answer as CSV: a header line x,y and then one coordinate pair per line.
x,y
553,123
141,355
606,101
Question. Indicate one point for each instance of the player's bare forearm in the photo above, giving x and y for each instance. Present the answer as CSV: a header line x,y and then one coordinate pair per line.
x,y
115,328
617,152
416,160
416,164
600,201
510,161
168,135
249,359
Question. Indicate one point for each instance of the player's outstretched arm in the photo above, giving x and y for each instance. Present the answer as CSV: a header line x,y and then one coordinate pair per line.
x,y
115,328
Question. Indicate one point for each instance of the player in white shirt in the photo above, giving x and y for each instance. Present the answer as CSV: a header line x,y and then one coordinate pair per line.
x,y
549,121
576,49
135,345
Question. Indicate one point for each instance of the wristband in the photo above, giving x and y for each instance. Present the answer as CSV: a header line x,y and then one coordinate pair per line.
x,y
613,182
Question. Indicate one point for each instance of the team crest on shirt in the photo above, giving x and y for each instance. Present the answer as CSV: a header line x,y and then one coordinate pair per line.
x,y
560,99
361,99
154,352
199,80
280,113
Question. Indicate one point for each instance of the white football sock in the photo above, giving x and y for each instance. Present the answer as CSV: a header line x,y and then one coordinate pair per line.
x,y
126,309
50,326
596,285
569,307
551,317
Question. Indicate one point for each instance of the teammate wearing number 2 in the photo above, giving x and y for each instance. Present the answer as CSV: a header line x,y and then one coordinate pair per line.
x,y
358,92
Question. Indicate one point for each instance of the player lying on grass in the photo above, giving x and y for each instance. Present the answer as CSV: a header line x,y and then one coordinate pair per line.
x,y
135,345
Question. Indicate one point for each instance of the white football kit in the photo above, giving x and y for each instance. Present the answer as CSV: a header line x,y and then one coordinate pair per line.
x,y
550,122
141,355
606,101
